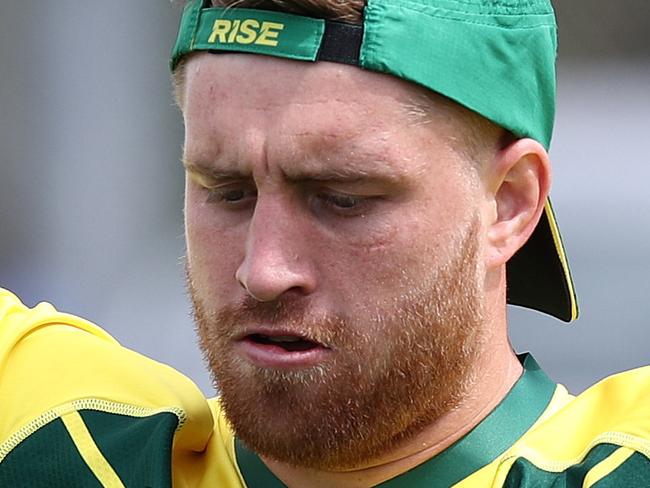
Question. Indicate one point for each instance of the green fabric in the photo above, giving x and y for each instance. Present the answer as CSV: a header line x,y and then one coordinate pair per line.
x,y
250,31
516,413
186,32
494,57
138,449
496,60
634,472
524,474
46,459
254,471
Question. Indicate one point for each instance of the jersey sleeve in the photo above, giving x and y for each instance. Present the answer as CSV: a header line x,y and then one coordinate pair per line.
x,y
78,409
601,438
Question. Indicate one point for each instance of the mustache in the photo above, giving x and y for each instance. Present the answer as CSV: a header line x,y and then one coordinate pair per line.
x,y
231,321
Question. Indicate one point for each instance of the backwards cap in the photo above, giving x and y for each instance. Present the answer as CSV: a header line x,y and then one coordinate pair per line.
x,y
495,57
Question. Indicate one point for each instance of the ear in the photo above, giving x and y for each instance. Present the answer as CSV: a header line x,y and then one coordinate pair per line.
x,y
517,186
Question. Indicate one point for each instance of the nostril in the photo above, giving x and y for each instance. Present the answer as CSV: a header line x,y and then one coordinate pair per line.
x,y
271,268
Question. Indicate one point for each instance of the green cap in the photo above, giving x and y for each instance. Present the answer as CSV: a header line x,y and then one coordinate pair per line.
x,y
495,57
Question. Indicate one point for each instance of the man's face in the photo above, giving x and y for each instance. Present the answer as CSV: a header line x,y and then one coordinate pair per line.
x,y
334,256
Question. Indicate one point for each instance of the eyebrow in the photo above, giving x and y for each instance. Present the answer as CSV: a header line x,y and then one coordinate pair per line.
x,y
345,174
348,174
214,173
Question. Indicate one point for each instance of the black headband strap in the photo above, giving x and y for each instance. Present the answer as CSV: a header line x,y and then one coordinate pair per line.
x,y
341,43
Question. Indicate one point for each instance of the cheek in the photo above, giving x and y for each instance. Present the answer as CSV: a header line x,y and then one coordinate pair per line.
x,y
213,253
367,267
387,260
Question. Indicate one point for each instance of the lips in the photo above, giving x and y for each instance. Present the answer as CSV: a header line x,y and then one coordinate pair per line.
x,y
287,342
280,349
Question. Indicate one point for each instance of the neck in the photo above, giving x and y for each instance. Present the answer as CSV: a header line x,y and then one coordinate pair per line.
x,y
498,369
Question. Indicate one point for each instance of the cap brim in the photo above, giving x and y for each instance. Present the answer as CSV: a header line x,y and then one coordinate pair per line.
x,y
538,274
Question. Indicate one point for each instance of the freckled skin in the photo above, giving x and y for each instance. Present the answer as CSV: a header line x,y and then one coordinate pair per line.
x,y
282,117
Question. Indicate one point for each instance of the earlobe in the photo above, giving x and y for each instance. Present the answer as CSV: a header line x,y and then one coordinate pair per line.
x,y
518,187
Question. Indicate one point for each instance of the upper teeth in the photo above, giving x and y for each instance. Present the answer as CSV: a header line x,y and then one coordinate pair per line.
x,y
284,338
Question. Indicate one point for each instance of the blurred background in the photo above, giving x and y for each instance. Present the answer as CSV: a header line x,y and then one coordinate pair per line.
x,y
91,185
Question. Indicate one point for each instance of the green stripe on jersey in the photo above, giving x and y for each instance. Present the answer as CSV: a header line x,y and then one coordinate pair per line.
x,y
633,473
253,470
138,448
524,474
46,459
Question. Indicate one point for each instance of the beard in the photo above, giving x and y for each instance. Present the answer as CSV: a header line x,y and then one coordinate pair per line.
x,y
392,373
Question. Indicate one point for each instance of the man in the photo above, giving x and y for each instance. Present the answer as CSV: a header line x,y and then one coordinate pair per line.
x,y
366,189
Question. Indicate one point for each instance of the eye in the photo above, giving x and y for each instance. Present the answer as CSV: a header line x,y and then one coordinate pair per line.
x,y
342,201
342,204
231,195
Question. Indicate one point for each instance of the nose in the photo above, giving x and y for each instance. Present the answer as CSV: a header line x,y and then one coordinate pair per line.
x,y
276,259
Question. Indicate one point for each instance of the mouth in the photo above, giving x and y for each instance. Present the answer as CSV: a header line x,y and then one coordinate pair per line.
x,y
287,342
271,349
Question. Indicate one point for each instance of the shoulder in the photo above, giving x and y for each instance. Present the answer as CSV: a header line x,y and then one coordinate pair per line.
x,y
617,407
71,395
602,435
49,358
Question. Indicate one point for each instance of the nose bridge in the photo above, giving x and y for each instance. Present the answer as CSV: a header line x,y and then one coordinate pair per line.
x,y
275,259
270,229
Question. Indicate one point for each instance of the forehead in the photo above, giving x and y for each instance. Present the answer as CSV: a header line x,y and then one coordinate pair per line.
x,y
219,82
264,81
234,104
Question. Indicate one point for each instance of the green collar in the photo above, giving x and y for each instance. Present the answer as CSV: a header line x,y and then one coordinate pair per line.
x,y
516,413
